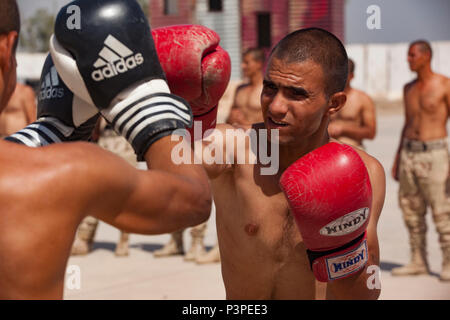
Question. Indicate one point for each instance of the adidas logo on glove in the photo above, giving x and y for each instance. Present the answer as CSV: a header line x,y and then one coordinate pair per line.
x,y
48,90
115,58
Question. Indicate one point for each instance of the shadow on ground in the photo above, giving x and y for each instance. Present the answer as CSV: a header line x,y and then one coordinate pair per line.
x,y
388,266
148,247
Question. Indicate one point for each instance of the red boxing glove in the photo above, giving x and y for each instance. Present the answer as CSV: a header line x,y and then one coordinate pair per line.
x,y
196,67
329,194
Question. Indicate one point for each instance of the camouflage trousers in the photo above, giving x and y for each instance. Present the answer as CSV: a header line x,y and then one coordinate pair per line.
x,y
423,175
118,145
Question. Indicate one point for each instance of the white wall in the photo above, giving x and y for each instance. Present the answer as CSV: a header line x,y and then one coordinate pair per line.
x,y
381,70
29,65
228,25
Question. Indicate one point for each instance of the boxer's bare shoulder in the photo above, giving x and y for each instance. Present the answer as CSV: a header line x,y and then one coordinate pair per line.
x,y
50,200
377,178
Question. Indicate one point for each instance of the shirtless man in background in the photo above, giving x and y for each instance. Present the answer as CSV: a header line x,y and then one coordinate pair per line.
x,y
357,120
19,112
246,108
421,164
263,254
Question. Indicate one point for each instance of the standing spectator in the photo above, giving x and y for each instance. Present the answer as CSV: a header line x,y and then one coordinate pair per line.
x,y
246,108
356,120
421,164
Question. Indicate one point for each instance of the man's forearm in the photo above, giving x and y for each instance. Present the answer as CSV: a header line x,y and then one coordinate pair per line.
x,y
358,133
160,157
359,286
189,180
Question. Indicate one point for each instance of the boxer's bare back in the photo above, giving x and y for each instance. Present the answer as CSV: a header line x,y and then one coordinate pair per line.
x,y
67,182
45,192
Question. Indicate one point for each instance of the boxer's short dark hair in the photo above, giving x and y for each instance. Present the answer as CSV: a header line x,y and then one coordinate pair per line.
x,y
320,46
9,17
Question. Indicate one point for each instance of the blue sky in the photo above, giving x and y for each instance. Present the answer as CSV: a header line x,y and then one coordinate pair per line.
x,y
401,21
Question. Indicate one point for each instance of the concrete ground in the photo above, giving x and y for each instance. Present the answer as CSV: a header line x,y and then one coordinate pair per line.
x,y
141,276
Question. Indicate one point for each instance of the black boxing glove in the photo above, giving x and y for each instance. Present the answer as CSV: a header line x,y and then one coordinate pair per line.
x,y
112,63
61,116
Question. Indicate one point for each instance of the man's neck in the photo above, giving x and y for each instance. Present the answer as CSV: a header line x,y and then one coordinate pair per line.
x,y
289,154
424,73
348,88
256,79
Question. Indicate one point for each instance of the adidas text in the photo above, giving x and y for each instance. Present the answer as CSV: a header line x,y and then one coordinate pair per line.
x,y
122,66
51,93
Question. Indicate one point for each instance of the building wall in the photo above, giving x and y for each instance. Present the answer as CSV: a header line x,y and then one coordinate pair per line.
x,y
290,15
382,69
227,24
237,23
279,11
184,15
325,14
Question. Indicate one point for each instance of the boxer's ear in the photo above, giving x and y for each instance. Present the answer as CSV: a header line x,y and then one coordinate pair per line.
x,y
336,102
8,44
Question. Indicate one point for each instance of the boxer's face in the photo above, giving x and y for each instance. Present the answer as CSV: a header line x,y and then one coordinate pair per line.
x,y
293,99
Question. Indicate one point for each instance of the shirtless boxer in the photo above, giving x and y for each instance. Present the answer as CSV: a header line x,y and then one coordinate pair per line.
x,y
357,121
421,163
263,254
45,192
19,112
246,108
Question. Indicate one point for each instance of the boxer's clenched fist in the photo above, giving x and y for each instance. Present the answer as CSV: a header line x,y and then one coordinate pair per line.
x,y
61,116
111,62
330,195
196,67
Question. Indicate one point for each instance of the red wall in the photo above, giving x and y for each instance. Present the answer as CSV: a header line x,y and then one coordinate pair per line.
x,y
186,11
290,15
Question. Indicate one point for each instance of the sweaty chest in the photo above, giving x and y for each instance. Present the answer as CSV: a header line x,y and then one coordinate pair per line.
x,y
425,100
249,99
258,215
